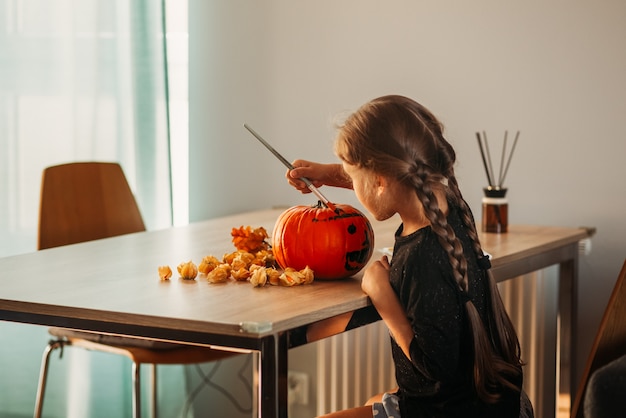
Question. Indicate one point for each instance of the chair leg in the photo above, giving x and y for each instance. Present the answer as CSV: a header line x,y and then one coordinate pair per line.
x,y
43,374
153,388
136,391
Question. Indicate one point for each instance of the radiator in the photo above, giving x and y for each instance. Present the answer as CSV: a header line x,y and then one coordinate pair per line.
x,y
354,366
532,302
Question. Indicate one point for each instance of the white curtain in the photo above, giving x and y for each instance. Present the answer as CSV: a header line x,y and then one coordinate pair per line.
x,y
79,80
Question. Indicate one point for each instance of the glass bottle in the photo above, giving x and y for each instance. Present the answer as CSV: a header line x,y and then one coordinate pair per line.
x,y
495,210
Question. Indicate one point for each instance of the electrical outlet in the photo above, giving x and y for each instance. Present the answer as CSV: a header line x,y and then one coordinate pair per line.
x,y
584,246
298,387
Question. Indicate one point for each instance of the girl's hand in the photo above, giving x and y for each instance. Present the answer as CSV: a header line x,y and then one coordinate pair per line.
x,y
312,171
377,286
375,277
318,174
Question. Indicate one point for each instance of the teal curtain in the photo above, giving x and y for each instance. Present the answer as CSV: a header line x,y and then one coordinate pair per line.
x,y
151,108
79,80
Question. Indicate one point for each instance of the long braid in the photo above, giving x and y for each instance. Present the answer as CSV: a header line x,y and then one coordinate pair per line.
x,y
440,226
503,337
488,367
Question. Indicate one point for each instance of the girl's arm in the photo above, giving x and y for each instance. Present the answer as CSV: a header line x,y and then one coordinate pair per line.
x,y
319,174
328,327
376,284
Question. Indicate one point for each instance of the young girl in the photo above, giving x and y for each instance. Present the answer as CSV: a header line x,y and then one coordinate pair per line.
x,y
455,350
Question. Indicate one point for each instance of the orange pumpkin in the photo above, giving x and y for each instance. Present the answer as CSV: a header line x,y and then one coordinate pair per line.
x,y
333,243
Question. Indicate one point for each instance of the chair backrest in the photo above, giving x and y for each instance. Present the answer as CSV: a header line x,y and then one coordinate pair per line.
x,y
610,341
85,201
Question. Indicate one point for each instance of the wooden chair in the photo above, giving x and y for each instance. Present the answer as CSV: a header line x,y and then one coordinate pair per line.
x,y
609,343
87,201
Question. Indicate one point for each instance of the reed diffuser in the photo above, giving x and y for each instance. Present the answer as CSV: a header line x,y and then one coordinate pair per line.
x,y
495,216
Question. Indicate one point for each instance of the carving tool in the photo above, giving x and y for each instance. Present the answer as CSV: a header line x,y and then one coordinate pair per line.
x,y
282,159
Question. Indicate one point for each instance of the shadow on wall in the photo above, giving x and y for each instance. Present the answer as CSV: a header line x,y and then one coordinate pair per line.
x,y
225,386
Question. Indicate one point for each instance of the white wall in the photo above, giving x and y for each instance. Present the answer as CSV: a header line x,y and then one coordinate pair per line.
x,y
552,69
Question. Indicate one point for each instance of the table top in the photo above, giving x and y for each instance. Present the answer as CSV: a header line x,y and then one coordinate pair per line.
x,y
112,285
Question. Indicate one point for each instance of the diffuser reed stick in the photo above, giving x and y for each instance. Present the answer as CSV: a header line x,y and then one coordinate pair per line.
x,y
482,154
506,169
490,166
506,134
485,154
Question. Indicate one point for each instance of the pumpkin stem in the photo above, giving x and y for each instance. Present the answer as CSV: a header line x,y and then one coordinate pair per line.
x,y
328,205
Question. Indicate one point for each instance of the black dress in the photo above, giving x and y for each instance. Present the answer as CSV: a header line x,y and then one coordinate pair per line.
x,y
437,380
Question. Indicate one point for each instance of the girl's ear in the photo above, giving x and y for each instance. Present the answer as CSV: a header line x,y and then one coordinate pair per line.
x,y
381,184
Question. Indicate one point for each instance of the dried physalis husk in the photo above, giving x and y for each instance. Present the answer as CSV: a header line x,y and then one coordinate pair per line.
x,y
250,240
293,277
308,274
264,258
242,260
208,263
219,274
165,272
273,276
290,277
240,274
259,276
188,270
238,259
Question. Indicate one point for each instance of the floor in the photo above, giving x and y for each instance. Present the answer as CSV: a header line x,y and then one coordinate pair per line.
x,y
563,406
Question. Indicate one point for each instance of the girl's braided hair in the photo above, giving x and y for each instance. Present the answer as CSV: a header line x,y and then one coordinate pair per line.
x,y
397,137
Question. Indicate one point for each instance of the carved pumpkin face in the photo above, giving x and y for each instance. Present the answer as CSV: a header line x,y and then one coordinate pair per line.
x,y
334,244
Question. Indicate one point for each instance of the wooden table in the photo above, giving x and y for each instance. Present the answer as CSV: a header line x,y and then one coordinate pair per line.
x,y
112,286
